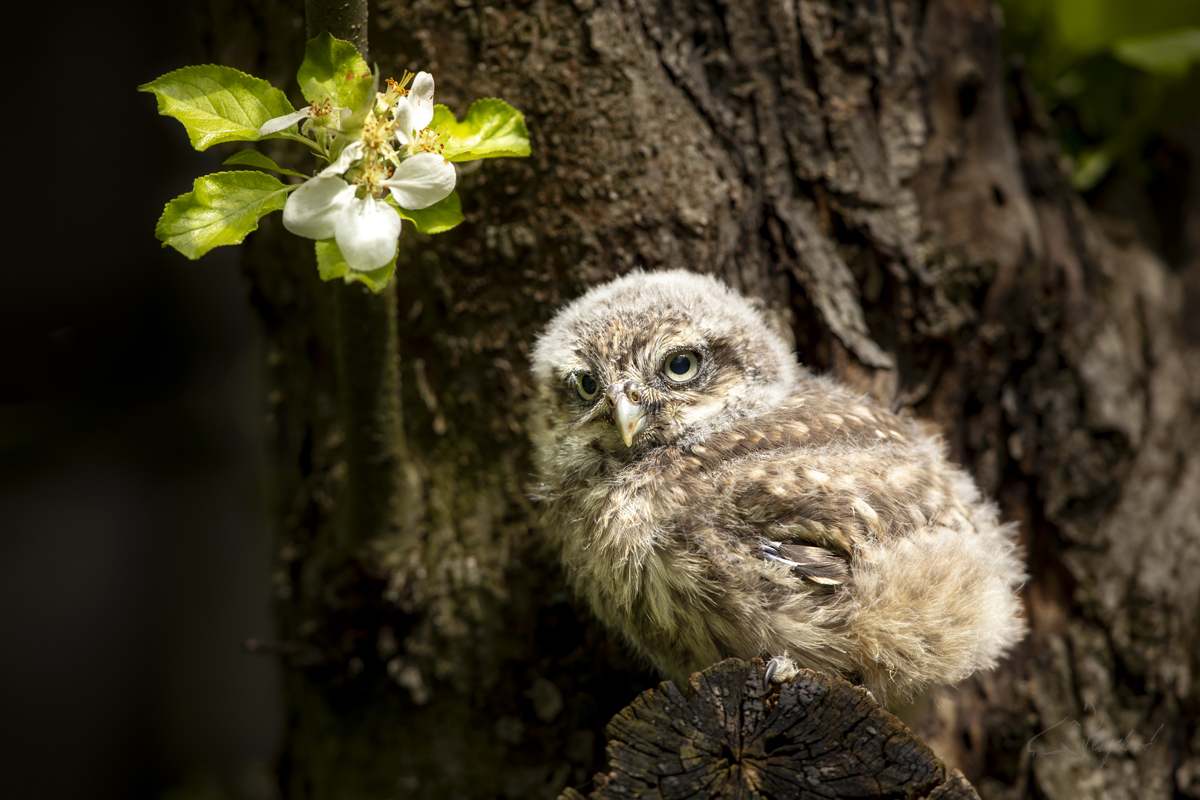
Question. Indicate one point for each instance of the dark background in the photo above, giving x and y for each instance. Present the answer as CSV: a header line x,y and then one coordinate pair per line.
x,y
134,553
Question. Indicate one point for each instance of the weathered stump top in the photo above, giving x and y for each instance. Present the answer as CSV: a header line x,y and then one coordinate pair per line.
x,y
726,735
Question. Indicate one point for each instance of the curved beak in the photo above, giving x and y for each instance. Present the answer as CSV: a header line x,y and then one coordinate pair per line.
x,y
630,419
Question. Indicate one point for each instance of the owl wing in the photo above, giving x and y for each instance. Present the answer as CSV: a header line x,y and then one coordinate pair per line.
x,y
770,501
818,566
812,482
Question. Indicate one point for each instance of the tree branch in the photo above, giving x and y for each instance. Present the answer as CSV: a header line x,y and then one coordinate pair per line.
x,y
344,19
367,354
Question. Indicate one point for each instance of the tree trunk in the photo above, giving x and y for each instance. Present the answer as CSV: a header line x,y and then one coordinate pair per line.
x,y
859,167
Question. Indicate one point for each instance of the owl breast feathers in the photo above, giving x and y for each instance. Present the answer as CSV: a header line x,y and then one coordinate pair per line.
x,y
708,498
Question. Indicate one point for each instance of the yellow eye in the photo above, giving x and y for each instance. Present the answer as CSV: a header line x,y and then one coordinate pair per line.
x,y
586,386
681,366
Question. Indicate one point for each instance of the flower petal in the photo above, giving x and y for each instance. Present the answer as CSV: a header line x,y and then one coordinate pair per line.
x,y
420,101
368,231
286,121
402,114
311,210
422,180
350,154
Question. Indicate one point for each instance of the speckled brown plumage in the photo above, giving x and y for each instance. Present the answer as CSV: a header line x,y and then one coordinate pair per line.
x,y
756,509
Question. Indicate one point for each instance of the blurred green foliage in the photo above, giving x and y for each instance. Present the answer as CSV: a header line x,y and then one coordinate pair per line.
x,y
1114,74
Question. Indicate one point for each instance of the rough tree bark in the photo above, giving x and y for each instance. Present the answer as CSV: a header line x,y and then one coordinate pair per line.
x,y
872,173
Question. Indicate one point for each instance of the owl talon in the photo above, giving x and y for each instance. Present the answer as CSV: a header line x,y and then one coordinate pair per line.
x,y
779,669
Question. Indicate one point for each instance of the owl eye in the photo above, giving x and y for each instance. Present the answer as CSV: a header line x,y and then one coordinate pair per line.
x,y
681,366
586,386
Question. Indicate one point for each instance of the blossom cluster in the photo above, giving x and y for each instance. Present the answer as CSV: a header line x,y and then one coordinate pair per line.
x,y
387,156
396,153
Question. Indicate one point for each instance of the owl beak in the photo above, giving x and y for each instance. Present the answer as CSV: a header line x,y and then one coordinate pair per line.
x,y
629,416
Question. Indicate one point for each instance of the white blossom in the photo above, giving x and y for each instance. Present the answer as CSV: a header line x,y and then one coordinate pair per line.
x,y
308,112
422,180
414,111
365,228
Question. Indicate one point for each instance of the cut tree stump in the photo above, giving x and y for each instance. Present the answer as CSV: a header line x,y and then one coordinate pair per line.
x,y
728,736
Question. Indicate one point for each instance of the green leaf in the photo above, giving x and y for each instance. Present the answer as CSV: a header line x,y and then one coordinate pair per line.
x,y
1090,167
217,104
333,68
437,218
221,209
377,279
253,158
491,129
1171,53
355,120
331,264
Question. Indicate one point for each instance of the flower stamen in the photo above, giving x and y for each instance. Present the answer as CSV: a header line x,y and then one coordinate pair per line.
x,y
395,91
430,140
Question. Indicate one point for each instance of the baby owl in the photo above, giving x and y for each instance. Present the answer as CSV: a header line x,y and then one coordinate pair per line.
x,y
709,498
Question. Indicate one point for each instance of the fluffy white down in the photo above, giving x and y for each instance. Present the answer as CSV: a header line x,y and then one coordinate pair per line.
x,y
939,604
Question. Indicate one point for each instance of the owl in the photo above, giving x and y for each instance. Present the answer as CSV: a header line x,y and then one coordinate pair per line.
x,y
709,497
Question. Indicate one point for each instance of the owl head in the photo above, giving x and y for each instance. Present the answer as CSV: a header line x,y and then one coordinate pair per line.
x,y
653,358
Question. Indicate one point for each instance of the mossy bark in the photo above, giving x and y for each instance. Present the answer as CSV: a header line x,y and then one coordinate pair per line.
x,y
872,173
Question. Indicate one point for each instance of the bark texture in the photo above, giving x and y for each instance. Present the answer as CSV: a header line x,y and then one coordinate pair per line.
x,y
871,173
